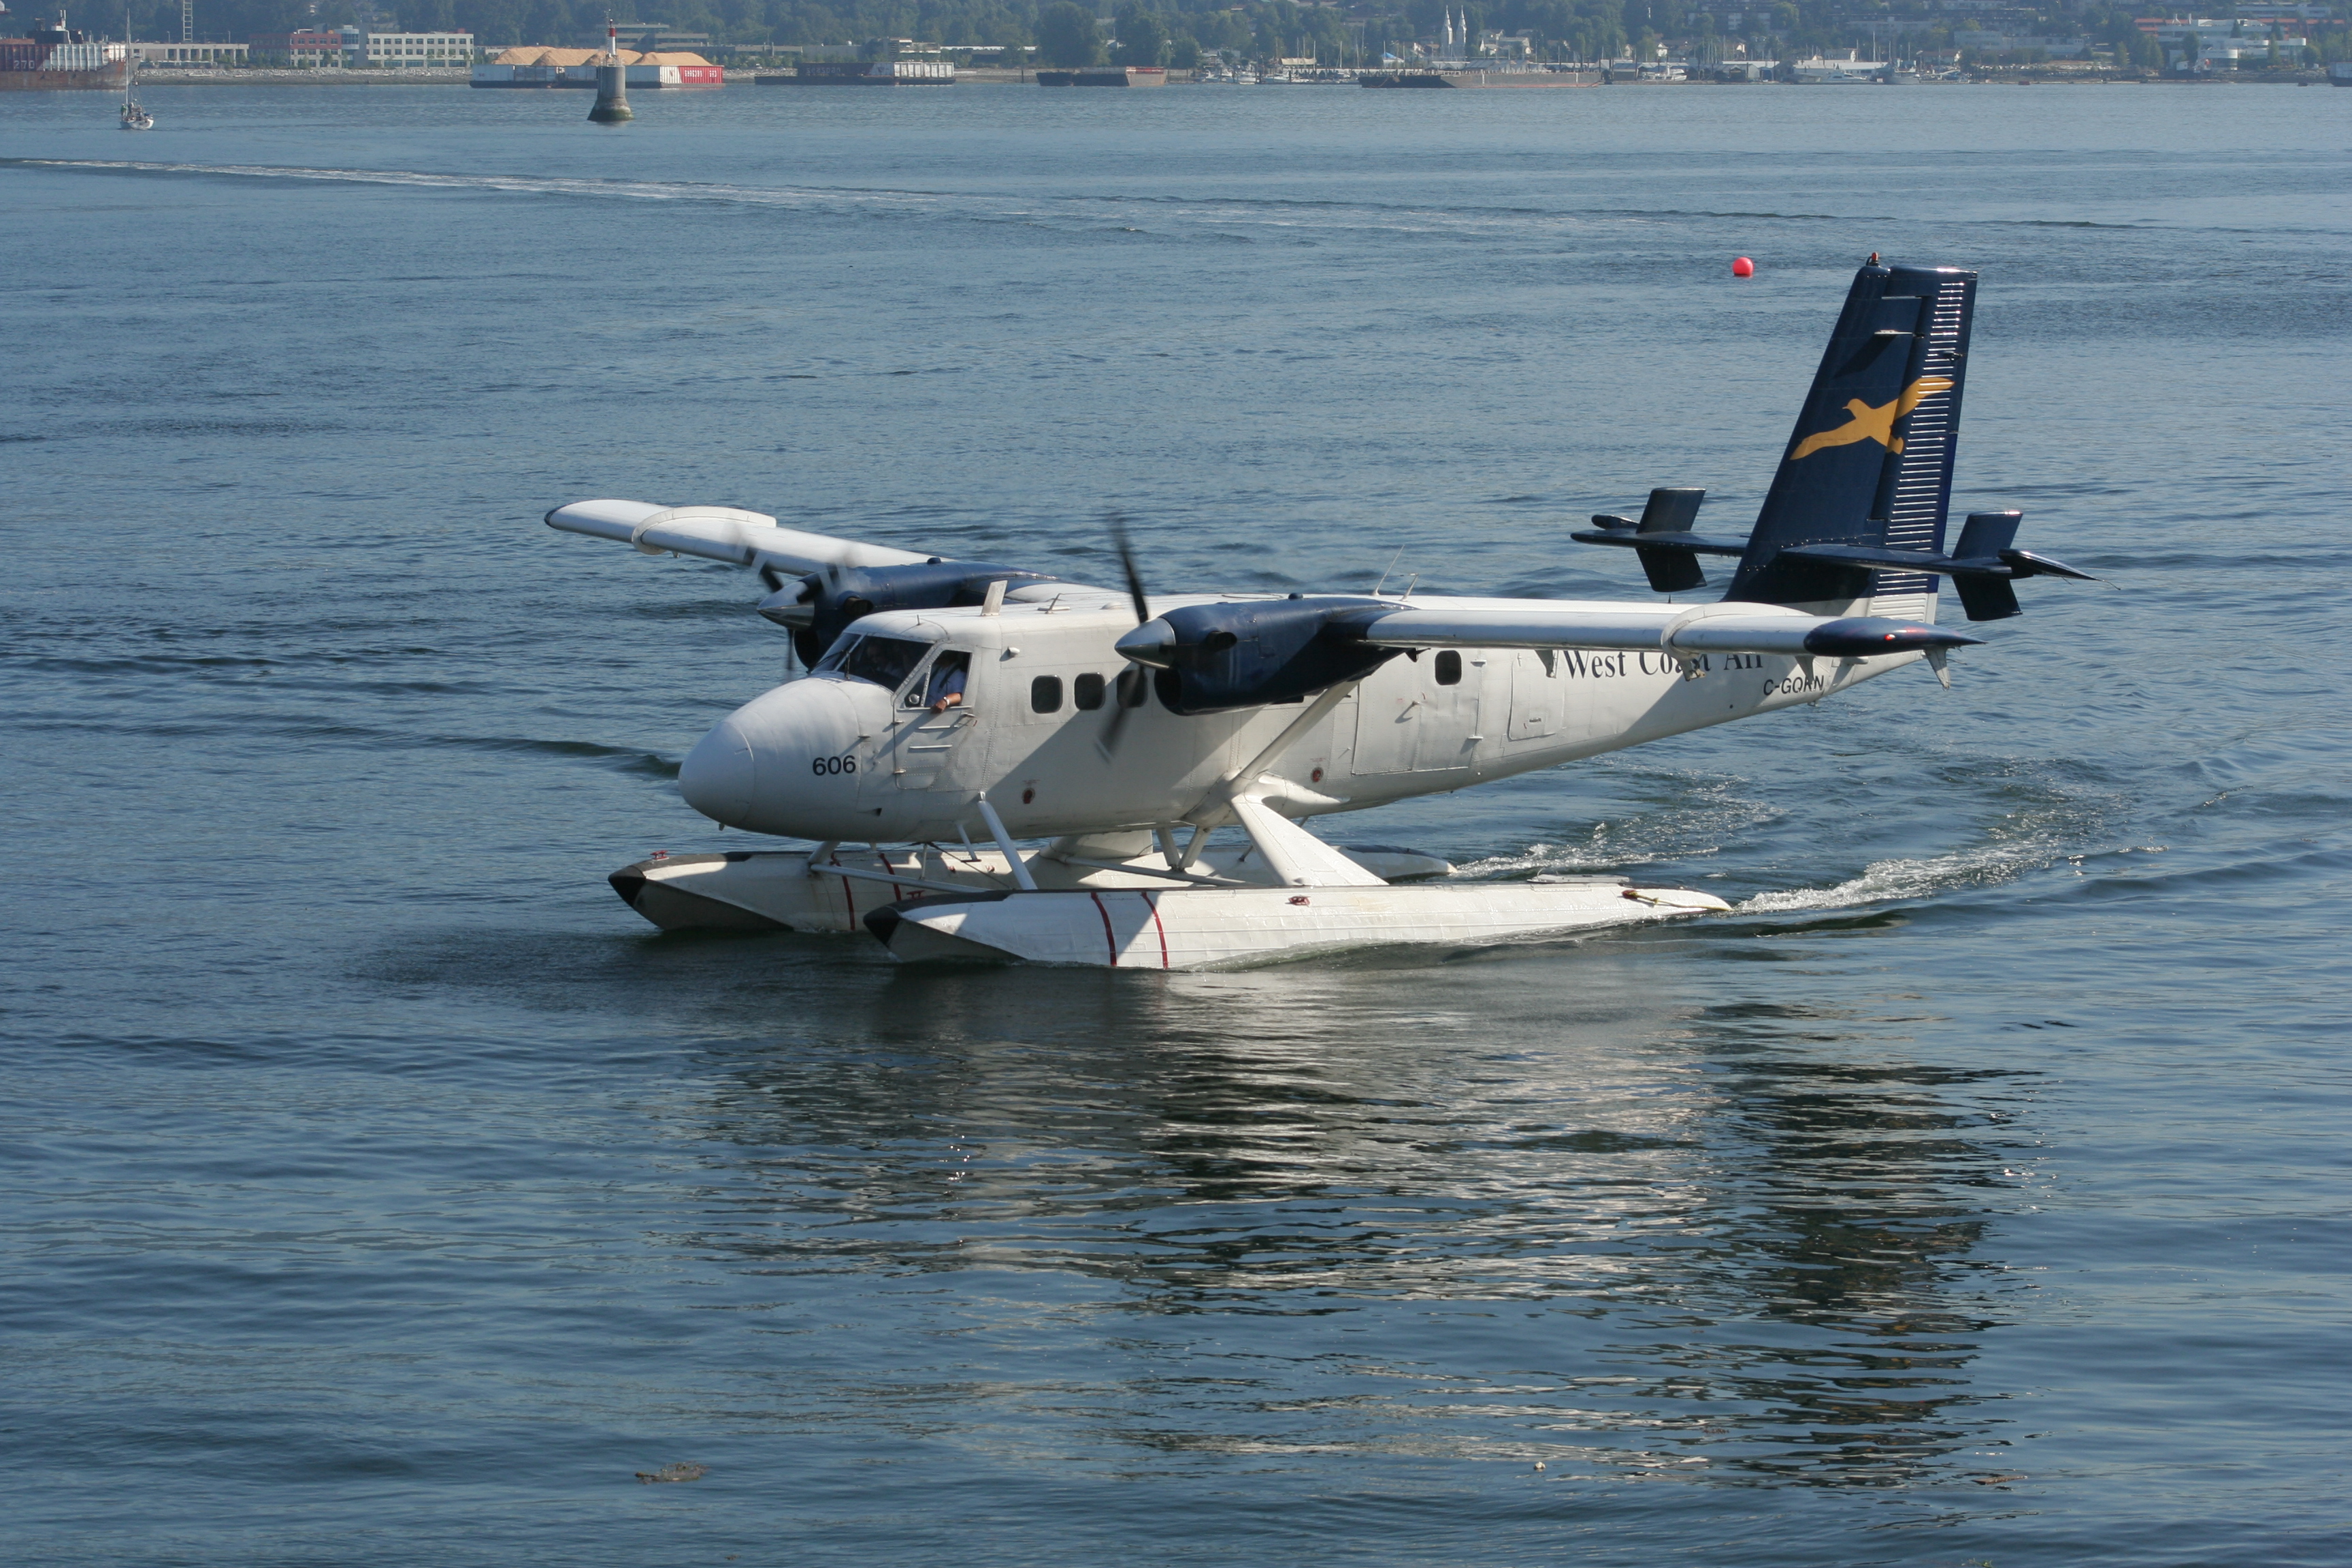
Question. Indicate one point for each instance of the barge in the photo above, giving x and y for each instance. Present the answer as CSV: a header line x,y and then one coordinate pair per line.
x,y
859,73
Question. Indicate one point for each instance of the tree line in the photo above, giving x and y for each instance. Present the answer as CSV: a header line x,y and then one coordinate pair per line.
x,y
1163,32
1170,31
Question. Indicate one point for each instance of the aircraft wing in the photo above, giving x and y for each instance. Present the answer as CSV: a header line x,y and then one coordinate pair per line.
x,y
722,534
1728,628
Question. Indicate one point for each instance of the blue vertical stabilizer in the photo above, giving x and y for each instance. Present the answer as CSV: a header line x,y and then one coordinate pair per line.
x,y
1870,464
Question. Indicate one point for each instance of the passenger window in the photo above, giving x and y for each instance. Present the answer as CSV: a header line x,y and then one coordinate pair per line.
x,y
1134,685
1087,692
1449,669
1046,694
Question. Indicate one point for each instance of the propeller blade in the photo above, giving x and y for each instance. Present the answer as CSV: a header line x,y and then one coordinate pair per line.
x,y
1121,708
1108,744
1126,563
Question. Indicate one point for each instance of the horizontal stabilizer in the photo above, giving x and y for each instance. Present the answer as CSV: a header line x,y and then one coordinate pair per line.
x,y
1693,544
1982,568
1668,549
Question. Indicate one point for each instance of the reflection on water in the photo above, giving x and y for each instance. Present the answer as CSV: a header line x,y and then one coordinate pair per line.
x,y
1531,1211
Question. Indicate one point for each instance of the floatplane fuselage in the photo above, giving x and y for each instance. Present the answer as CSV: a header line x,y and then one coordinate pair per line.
x,y
839,755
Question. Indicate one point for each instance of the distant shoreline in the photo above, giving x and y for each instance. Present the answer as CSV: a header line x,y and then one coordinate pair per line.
x,y
462,76
264,75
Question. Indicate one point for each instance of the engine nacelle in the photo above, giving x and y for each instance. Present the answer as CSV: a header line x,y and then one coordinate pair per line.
x,y
820,606
1213,658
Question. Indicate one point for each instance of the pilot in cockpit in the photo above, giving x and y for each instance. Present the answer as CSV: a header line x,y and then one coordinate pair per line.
x,y
945,687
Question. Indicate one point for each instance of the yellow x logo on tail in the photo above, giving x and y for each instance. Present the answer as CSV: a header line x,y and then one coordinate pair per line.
x,y
1864,423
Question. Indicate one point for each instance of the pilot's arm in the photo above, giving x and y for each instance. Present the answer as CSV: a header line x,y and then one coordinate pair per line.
x,y
948,691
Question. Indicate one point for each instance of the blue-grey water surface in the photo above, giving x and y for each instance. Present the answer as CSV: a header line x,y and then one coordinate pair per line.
x,y
380,1191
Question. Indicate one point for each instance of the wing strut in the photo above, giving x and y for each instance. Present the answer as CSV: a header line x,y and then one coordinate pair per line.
x,y
1295,856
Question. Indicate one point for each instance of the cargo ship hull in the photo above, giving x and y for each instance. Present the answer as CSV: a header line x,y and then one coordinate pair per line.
x,y
58,59
102,78
856,73
108,77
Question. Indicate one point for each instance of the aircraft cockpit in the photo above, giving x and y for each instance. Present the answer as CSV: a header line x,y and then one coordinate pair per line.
x,y
885,661
892,664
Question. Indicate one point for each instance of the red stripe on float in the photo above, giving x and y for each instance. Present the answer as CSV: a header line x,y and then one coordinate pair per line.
x,y
1109,940
1154,906
846,896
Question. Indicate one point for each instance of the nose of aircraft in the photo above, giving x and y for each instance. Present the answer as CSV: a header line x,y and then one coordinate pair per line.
x,y
716,778
754,769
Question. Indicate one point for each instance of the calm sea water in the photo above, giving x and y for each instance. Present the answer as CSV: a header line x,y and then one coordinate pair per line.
x,y
380,1191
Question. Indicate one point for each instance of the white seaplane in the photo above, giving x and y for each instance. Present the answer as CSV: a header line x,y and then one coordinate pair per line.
x,y
953,710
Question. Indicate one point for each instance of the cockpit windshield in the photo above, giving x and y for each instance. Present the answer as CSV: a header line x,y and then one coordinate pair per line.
x,y
885,661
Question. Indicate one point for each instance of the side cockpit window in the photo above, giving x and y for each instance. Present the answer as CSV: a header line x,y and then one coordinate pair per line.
x,y
943,687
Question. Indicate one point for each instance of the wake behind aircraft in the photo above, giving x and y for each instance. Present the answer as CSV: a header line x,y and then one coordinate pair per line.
x,y
953,710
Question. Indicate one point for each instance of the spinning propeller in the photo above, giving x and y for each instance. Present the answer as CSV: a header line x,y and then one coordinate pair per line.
x,y
1133,677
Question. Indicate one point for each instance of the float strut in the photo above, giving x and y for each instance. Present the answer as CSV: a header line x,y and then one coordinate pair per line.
x,y
1021,877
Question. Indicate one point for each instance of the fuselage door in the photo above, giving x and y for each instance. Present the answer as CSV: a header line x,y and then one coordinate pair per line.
x,y
936,710
1428,721
1536,687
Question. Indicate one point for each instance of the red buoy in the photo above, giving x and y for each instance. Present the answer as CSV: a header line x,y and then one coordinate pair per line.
x,y
1742,267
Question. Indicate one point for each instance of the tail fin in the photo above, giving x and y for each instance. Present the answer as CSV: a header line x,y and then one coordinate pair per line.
x,y
1870,461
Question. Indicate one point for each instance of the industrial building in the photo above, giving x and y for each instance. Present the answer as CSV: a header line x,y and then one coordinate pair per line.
x,y
380,51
